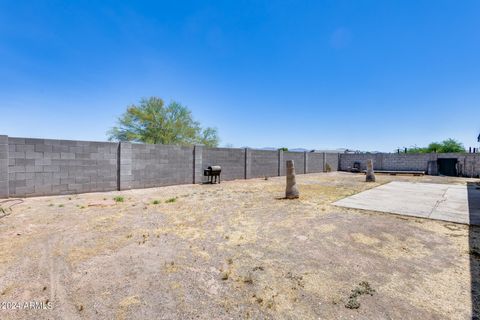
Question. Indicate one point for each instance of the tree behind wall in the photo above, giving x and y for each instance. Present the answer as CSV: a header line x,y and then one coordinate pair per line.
x,y
446,146
153,122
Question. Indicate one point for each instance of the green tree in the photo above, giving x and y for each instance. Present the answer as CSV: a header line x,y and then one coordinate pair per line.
x,y
153,122
434,147
446,146
449,145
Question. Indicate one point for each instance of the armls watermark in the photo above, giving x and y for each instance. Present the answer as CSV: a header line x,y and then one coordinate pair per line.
x,y
26,305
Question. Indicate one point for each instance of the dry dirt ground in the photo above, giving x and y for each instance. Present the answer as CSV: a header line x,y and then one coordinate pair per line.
x,y
234,251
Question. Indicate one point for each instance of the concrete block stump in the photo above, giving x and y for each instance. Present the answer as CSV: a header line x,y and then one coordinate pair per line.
x,y
370,177
291,191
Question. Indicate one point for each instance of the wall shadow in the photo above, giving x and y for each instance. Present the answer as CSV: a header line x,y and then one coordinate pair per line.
x,y
474,245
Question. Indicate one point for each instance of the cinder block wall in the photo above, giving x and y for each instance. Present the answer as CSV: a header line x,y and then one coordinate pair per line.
x,y
406,162
415,162
38,167
315,162
476,166
472,165
347,160
470,162
332,159
124,166
264,163
156,165
387,161
298,159
231,160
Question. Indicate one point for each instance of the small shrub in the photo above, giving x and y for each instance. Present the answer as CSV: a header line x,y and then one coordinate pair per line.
x,y
352,304
362,289
328,168
50,205
60,205
171,200
156,202
119,199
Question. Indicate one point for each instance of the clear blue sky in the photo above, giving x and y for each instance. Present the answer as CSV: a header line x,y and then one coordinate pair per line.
x,y
371,75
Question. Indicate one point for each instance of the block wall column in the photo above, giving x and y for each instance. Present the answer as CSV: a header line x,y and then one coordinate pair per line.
x,y
305,162
324,162
124,168
281,167
4,192
197,164
248,163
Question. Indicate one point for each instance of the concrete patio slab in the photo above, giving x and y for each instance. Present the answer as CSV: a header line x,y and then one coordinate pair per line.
x,y
448,202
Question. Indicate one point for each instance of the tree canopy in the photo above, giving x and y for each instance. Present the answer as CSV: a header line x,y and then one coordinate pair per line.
x,y
154,122
446,146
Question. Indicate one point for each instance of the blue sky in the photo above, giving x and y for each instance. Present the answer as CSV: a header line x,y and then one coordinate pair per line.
x,y
371,75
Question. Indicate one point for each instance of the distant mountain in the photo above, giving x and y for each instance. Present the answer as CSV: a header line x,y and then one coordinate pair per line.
x,y
338,150
291,150
299,150
269,148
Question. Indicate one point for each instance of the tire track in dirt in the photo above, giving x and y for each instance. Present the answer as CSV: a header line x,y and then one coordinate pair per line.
x,y
57,270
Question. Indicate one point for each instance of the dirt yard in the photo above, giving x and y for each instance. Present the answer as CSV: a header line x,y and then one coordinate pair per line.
x,y
233,251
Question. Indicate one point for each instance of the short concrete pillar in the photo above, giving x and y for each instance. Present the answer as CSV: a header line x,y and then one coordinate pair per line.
x,y
291,191
370,177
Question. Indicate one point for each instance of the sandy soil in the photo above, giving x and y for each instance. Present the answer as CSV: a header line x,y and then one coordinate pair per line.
x,y
233,251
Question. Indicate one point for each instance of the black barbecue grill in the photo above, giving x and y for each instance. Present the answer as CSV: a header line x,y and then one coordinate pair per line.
x,y
356,167
212,173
